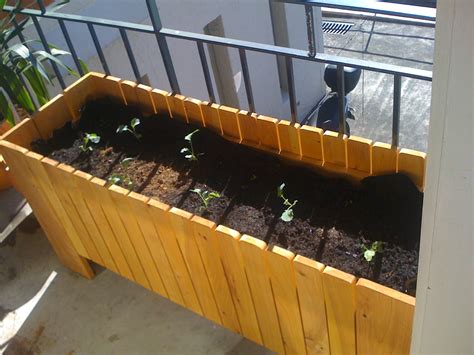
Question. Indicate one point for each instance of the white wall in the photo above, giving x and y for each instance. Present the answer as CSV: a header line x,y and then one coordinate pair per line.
x,y
444,298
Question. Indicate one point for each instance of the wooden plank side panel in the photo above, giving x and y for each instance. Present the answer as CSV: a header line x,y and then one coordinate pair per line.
x,y
413,164
22,134
193,111
160,102
384,159
145,102
253,253
248,128
359,156
231,257
289,139
110,87
210,113
335,154
282,275
85,88
176,105
129,92
309,282
268,133
311,140
207,243
229,123
384,319
52,116
161,219
91,197
339,296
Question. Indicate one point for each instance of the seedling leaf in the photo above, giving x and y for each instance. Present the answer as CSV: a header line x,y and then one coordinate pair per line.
x,y
135,122
287,215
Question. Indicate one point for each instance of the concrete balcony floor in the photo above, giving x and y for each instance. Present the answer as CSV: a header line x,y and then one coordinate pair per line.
x,y
46,309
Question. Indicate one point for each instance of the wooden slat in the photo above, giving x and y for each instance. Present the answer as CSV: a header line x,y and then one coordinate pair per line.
x,y
91,196
248,128
309,283
145,102
129,92
289,139
253,253
29,187
22,134
176,105
229,123
311,139
160,101
193,111
52,116
210,113
384,319
162,222
334,147
282,275
384,159
206,241
359,156
180,221
339,296
413,164
110,87
268,133
80,91
229,251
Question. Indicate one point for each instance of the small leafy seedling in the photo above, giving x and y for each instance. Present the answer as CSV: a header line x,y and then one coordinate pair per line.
x,y
89,138
369,253
122,179
287,214
189,153
206,197
131,129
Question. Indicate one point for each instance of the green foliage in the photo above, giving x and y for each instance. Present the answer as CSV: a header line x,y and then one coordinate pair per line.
x,y
369,253
19,64
288,214
206,197
131,129
91,138
189,151
122,179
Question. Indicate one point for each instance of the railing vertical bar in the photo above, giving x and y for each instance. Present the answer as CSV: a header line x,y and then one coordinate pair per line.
x,y
48,50
291,88
310,30
163,45
130,54
205,69
70,45
95,39
41,6
341,99
246,75
20,33
397,91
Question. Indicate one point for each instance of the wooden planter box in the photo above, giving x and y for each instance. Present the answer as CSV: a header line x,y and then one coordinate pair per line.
x,y
286,302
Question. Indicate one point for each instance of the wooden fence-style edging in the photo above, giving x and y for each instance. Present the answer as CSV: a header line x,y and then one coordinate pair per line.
x,y
286,302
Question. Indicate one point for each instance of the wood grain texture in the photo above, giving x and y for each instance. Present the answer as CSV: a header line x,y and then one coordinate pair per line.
x,y
289,139
268,133
110,87
210,113
384,319
309,283
206,241
183,229
129,92
231,257
22,134
160,101
51,116
413,164
248,128
339,296
282,275
176,106
311,139
334,147
229,123
145,102
359,155
193,111
85,88
384,159
253,253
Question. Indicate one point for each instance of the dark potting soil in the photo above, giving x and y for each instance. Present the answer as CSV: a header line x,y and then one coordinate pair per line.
x,y
334,220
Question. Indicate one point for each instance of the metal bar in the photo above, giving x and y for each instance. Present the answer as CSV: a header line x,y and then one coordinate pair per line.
x,y
310,30
41,6
248,84
341,105
130,54
397,91
251,46
98,48
20,33
205,69
291,89
70,45
163,45
48,50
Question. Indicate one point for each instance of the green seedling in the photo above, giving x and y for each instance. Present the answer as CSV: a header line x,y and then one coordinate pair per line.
x,y
287,214
206,197
189,153
131,129
369,253
89,138
122,179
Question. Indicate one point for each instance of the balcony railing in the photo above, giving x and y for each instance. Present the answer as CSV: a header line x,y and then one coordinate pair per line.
x,y
161,33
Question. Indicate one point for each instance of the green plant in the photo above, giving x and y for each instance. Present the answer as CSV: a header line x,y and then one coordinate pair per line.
x,y
132,128
369,253
89,138
21,67
287,214
122,179
206,197
189,152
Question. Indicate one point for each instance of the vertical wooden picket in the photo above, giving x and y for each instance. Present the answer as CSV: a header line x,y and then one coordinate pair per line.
x,y
384,159
229,123
334,147
413,164
311,140
359,156
193,111
248,128
210,113
176,105
268,133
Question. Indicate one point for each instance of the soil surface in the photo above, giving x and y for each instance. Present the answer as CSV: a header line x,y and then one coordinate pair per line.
x,y
334,220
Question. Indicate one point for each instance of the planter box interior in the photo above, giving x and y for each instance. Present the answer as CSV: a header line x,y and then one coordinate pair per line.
x,y
286,302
